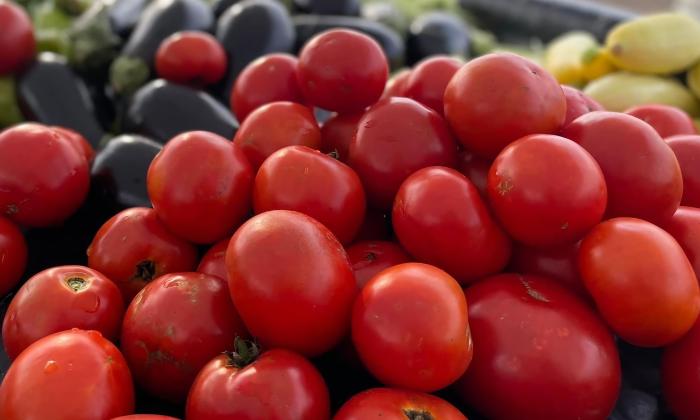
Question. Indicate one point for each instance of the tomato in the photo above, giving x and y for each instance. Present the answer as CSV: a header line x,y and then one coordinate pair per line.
x,y
375,227
167,337
424,140
440,219
13,255
642,175
370,257
72,374
577,104
305,180
428,81
337,133
270,78
687,151
274,126
397,404
667,120
329,74
16,39
78,141
291,282
684,226
214,261
191,57
276,385
539,353
498,98
202,203
410,328
40,198
396,86
475,169
680,372
546,190
134,247
144,417
640,261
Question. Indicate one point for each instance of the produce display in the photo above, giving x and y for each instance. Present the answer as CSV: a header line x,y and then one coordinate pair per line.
x,y
348,209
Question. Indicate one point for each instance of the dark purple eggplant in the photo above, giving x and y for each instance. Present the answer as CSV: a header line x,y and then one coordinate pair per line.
x,y
328,7
124,15
220,6
435,33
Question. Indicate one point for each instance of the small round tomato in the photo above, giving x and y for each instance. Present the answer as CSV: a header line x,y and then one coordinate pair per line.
x,y
641,172
680,372
201,202
396,86
277,385
370,257
428,81
397,404
577,104
329,74
16,39
440,219
134,247
424,140
410,328
214,261
74,374
667,120
274,126
640,261
536,347
337,133
78,141
684,226
167,337
558,263
191,57
45,197
305,180
476,169
13,249
687,151
498,98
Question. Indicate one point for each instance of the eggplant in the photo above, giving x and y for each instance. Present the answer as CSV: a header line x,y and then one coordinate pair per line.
x,y
220,6
633,404
124,15
388,14
436,33
50,93
93,42
328,7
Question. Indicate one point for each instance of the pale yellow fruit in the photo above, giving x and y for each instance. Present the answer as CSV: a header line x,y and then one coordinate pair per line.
x,y
693,79
563,57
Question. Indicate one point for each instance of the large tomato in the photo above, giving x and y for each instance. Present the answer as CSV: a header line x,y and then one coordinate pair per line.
x,y
337,133
370,257
577,104
684,226
13,249
397,404
17,41
428,80
144,417
558,263
687,151
666,120
396,85
191,57
214,260
476,169
680,370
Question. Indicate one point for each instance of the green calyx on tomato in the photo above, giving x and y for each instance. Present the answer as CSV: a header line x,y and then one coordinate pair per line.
x,y
245,352
413,414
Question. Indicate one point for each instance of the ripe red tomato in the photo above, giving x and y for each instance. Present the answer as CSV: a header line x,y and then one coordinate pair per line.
x,y
424,140
13,255
410,328
276,385
337,133
641,172
684,226
428,80
191,57
78,141
396,85
440,219
577,104
546,190
370,257
270,78
72,374
305,180
145,417
329,74
679,371
214,261
201,202
134,247
476,169
40,198
16,39
498,98
640,261
174,327
687,151
397,404
667,120
274,126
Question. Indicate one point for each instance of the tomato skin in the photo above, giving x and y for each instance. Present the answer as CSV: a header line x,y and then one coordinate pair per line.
x,y
201,203
687,151
148,251
440,219
337,133
396,404
145,417
72,374
305,180
78,141
680,373
13,248
382,166
191,57
428,81
278,385
524,326
330,78
16,39
577,104
405,349
507,88
396,85
684,226
666,120
636,259
633,189
214,260
370,257
476,170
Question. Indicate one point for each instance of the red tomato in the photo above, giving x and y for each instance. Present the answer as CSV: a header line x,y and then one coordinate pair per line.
x,y
78,141
440,219
577,104
134,247
337,134
428,81
375,227
277,385
45,197
16,39
687,151
270,78
638,260
145,417
370,257
536,348
13,255
274,126
201,202
498,98
410,328
667,120
214,261
475,169
174,327
191,57
546,190
424,140
305,180
396,86
397,404
684,226
329,74
74,374
680,367
642,175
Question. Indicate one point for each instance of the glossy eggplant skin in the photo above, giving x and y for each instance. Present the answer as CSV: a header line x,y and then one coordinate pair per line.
x,y
220,6
436,33
124,15
328,7
50,93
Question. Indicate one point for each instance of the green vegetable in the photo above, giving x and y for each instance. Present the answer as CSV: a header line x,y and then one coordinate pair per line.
x,y
9,109
51,26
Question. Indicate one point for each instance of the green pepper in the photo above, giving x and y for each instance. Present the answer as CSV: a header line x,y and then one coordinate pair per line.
x,y
51,26
9,109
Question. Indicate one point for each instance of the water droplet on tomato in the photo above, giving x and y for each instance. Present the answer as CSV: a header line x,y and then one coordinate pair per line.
x,y
51,366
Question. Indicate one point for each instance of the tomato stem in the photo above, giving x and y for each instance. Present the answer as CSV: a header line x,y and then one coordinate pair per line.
x,y
76,283
414,414
245,352
145,270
